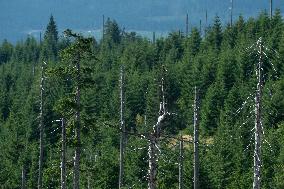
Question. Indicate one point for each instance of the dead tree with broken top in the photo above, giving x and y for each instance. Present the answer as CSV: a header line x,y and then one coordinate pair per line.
x,y
153,148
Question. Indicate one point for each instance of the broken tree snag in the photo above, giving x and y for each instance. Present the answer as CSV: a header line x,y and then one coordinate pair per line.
x,y
153,148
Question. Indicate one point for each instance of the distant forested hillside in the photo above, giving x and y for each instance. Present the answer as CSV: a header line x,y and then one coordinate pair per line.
x,y
80,82
20,18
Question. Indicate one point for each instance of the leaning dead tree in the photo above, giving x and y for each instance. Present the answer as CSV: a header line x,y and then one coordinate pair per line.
x,y
41,129
122,129
196,141
258,123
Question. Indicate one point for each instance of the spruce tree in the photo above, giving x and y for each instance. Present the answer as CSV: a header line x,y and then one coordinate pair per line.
x,y
50,43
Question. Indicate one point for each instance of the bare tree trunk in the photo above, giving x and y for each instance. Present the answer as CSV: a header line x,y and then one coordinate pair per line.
x,y
196,141
63,156
153,148
271,9
258,126
40,40
152,153
77,129
200,27
186,26
41,130
232,6
122,128
103,33
89,182
181,157
23,177
206,23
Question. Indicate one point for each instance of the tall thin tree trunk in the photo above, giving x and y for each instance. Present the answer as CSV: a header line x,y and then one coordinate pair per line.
x,y
186,26
122,129
103,32
153,142
63,155
200,27
89,181
77,129
271,9
258,126
23,177
232,7
181,157
152,171
154,37
40,40
206,23
196,142
41,130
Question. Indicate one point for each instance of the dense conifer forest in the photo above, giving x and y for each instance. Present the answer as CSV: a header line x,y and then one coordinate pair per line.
x,y
110,93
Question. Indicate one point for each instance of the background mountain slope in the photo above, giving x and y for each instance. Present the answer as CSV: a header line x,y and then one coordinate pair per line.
x,y
22,17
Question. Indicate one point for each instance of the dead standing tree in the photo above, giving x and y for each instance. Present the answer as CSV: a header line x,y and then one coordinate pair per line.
x,y
180,169
63,152
41,129
271,9
23,186
153,137
196,141
231,16
63,155
260,49
258,125
122,129
153,149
